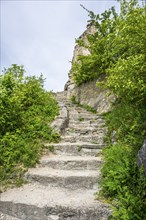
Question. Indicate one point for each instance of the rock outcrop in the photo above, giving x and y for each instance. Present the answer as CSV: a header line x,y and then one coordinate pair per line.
x,y
78,50
62,120
142,156
88,93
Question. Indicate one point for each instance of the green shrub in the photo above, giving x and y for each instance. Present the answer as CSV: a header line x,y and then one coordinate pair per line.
x,y
89,108
128,122
26,111
124,183
118,51
74,100
115,170
81,119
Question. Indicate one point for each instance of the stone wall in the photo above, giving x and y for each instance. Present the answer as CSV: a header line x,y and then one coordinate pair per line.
x,y
78,50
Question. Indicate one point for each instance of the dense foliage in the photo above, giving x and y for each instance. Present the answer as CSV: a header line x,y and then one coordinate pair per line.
x,y
118,51
26,110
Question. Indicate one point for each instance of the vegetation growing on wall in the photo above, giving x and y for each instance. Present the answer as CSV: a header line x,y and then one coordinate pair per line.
x,y
85,106
118,50
26,111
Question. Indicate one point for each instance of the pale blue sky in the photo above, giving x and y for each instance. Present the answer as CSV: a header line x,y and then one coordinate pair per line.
x,y
41,35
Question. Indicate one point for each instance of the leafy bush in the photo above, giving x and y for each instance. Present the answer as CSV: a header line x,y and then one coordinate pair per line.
x,y
116,169
26,111
89,108
128,122
118,51
92,66
74,100
124,183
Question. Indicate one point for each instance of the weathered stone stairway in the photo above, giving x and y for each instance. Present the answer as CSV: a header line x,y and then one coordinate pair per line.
x,y
62,186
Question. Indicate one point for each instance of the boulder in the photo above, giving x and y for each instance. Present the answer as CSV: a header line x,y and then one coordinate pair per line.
x,y
142,156
61,121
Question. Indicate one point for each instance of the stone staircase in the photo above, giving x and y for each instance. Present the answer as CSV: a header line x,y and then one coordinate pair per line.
x,y
62,186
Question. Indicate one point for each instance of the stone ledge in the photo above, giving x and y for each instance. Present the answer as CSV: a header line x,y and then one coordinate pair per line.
x,y
61,121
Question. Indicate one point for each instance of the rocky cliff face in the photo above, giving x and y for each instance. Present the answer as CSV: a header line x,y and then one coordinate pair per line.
x,y
88,93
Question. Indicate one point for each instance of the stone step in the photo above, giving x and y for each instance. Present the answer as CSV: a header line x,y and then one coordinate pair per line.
x,y
84,131
78,148
78,124
73,138
85,123
83,116
81,111
71,162
36,202
63,184
68,179
74,110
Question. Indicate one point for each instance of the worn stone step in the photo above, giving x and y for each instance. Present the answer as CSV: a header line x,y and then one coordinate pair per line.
x,y
82,124
78,148
81,120
84,131
79,123
71,162
74,138
62,186
83,112
80,111
69,179
83,116
77,110
36,202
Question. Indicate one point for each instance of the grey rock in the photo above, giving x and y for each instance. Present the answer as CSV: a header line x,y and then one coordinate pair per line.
x,y
142,156
88,93
61,121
